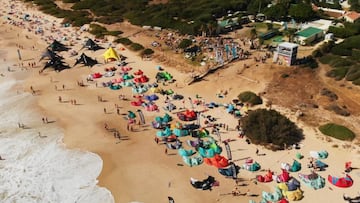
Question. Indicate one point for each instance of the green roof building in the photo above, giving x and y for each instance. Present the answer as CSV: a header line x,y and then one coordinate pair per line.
x,y
308,35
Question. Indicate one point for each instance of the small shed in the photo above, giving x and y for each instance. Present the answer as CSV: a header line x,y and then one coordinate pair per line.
x,y
308,35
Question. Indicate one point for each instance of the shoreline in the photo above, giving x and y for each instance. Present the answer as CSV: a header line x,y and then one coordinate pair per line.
x,y
148,173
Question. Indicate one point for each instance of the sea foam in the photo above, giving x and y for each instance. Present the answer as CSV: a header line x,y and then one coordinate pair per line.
x,y
37,167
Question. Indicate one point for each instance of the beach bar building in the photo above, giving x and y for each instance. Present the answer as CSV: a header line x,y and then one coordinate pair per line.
x,y
286,53
308,35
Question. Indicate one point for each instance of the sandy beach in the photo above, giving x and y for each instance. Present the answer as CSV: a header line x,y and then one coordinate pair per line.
x,y
135,168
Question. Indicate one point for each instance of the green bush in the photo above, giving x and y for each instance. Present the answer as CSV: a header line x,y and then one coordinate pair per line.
x,y
353,74
338,110
250,97
114,33
147,52
70,1
271,129
338,73
356,82
124,41
136,47
185,43
341,62
337,131
327,59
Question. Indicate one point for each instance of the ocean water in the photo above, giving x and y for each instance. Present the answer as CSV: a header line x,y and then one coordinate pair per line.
x,y
39,168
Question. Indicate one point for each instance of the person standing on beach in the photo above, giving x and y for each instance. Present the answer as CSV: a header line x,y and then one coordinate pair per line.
x,y
60,100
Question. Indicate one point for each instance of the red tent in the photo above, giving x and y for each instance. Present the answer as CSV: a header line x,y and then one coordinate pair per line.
x,y
97,75
284,177
268,177
139,72
141,79
218,161
139,102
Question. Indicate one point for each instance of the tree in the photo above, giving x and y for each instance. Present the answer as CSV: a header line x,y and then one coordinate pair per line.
x,y
147,52
301,12
250,97
290,34
185,43
202,29
211,27
256,6
270,129
276,12
253,33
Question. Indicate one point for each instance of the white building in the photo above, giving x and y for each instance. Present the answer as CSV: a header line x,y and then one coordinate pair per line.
x,y
286,53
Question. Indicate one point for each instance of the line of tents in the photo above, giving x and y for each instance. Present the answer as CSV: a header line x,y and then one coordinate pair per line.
x,y
56,61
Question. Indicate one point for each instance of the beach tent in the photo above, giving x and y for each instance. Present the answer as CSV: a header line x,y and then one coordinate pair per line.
x,y
184,152
193,160
205,184
231,171
188,115
171,200
141,79
292,185
163,76
180,132
111,55
152,97
320,165
218,161
319,154
352,199
165,133
131,115
57,46
283,177
91,45
87,61
49,55
268,177
294,195
341,182
296,166
176,145
250,165
272,197
57,64
312,180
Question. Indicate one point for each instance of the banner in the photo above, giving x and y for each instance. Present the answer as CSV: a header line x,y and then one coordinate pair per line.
x,y
228,151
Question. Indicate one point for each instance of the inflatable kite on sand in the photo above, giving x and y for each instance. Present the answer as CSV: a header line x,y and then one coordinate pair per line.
x,y
343,182
218,161
312,180
205,184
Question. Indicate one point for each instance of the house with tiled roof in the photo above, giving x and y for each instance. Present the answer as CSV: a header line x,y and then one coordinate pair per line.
x,y
352,16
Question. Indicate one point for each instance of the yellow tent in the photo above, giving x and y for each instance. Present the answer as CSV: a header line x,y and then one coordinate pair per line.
x,y
111,54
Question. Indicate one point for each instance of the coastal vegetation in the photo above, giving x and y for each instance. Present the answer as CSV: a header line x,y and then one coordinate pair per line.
x,y
196,17
188,17
337,131
100,31
344,58
270,129
250,98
